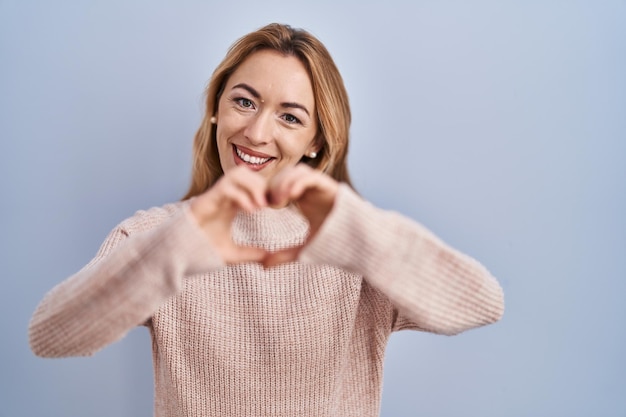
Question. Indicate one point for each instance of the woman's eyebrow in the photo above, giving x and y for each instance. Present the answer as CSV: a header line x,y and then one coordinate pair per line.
x,y
255,94
248,88
295,106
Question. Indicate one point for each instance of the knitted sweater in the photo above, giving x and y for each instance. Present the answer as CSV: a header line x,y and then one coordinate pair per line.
x,y
305,338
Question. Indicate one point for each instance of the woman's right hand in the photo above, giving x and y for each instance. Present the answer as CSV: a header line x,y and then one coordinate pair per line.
x,y
216,208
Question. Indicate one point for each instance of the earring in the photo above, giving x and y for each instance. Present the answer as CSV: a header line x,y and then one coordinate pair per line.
x,y
213,120
313,155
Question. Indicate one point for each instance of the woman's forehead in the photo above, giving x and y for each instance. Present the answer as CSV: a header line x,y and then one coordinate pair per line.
x,y
272,73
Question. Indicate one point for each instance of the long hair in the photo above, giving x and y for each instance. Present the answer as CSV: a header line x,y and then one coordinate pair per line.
x,y
331,102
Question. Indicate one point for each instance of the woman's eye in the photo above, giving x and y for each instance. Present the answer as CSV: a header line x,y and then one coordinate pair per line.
x,y
244,102
291,119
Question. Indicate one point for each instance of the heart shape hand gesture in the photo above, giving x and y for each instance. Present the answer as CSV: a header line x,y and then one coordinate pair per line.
x,y
312,191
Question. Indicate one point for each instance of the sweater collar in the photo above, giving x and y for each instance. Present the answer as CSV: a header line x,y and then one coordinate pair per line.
x,y
271,229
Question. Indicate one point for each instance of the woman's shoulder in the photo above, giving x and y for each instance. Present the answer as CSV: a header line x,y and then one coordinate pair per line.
x,y
147,219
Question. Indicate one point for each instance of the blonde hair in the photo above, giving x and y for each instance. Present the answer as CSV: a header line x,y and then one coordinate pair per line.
x,y
331,102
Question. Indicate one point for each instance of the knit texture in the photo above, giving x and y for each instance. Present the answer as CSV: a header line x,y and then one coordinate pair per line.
x,y
305,338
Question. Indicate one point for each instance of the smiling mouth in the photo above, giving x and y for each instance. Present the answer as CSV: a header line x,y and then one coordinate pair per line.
x,y
251,160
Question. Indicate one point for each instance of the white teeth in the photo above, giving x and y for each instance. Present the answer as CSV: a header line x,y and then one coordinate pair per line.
x,y
255,160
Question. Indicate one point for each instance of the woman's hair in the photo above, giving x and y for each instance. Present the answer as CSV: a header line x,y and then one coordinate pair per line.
x,y
331,102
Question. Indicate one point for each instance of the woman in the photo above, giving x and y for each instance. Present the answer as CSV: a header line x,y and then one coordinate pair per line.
x,y
272,288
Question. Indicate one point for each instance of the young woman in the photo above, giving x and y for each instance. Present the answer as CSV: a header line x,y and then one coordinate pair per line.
x,y
272,288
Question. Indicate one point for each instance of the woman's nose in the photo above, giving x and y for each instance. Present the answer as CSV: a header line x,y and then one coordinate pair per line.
x,y
260,128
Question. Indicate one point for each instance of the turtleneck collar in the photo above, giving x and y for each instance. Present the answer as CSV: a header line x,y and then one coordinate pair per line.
x,y
271,229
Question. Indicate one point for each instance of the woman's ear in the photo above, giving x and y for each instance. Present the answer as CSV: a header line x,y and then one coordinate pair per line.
x,y
316,146
313,150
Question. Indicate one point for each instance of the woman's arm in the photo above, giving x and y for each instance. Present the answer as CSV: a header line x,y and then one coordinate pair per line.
x,y
130,277
436,287
134,273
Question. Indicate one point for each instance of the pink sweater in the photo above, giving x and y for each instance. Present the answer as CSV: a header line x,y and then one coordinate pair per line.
x,y
302,339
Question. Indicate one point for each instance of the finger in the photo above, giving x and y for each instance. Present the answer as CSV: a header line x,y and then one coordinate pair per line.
x,y
290,184
239,197
240,189
215,209
311,189
254,184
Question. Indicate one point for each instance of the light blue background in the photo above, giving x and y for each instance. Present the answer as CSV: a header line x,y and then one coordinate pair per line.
x,y
500,125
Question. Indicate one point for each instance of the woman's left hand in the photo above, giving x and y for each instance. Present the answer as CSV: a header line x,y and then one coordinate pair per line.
x,y
312,191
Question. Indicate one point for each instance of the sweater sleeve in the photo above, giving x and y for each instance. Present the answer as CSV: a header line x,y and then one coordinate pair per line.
x,y
130,277
433,286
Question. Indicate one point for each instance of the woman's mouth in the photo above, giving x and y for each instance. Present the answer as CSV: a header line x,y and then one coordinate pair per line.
x,y
253,160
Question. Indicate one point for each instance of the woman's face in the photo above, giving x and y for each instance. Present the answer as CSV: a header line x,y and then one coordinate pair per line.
x,y
266,118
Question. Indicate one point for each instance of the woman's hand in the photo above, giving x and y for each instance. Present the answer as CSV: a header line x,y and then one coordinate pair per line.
x,y
312,191
216,208
242,189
